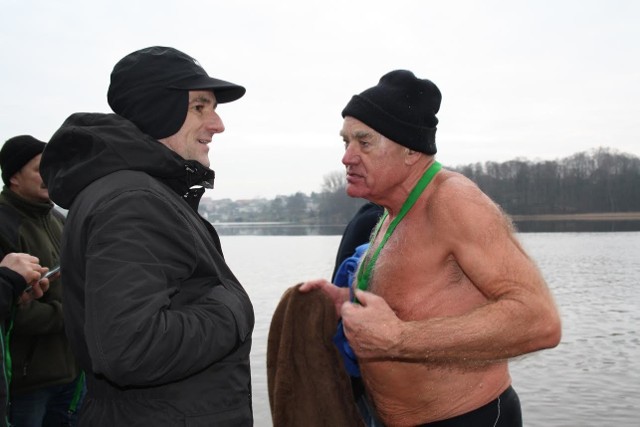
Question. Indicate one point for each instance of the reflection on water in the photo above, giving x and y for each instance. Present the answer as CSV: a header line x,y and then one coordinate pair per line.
x,y
591,379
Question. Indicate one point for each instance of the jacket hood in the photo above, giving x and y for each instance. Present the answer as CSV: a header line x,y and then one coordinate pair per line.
x,y
89,146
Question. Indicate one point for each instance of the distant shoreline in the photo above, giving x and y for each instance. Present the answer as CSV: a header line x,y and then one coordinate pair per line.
x,y
605,216
579,222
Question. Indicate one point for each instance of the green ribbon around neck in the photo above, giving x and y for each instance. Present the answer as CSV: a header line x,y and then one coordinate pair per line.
x,y
366,268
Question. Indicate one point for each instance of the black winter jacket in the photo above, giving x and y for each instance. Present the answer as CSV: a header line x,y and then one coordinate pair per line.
x,y
40,352
12,285
157,319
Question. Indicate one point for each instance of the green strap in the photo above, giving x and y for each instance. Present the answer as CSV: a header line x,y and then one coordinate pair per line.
x,y
7,342
364,272
6,365
77,393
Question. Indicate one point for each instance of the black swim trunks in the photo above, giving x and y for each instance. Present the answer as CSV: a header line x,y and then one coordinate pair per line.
x,y
501,412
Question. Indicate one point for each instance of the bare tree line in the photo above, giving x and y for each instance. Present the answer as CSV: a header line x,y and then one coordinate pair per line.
x,y
600,181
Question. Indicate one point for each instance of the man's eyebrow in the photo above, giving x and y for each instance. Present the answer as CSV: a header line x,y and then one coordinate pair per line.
x,y
203,99
359,134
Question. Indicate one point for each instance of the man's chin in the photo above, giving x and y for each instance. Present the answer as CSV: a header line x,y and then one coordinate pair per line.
x,y
44,196
355,192
204,162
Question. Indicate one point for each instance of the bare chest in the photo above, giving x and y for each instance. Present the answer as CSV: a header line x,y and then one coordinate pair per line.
x,y
418,276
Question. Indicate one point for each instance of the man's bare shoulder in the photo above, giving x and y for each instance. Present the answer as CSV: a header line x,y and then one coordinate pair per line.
x,y
452,188
448,177
457,201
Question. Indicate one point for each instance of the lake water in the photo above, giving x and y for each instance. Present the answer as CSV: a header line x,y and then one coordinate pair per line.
x,y
591,379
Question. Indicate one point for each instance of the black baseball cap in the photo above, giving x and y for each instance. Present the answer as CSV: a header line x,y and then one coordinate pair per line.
x,y
150,87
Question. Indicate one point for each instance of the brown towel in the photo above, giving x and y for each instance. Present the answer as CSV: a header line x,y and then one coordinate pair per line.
x,y
308,385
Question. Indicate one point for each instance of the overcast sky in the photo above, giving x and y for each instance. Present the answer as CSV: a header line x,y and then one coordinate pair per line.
x,y
539,80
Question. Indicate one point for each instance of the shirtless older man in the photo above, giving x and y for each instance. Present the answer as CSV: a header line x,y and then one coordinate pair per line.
x,y
450,293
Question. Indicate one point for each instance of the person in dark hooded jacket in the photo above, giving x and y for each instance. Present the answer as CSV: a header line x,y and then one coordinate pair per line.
x,y
157,319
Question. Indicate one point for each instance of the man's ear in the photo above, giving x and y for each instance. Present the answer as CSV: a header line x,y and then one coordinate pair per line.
x,y
411,157
14,180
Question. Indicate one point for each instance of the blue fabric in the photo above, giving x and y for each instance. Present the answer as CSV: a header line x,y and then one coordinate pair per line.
x,y
348,356
346,271
344,278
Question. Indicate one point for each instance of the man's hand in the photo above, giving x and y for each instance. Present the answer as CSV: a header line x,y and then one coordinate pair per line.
x,y
35,291
29,268
372,328
337,294
25,265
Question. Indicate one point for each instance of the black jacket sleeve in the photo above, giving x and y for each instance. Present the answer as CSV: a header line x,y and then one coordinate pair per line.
x,y
12,285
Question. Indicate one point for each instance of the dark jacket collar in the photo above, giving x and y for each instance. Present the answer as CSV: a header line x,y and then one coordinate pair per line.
x,y
191,186
27,207
89,146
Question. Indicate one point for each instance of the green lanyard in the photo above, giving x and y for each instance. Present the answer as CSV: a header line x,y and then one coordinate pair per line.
x,y
364,272
77,393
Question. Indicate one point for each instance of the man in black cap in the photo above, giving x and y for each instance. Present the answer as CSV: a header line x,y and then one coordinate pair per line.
x,y
160,324
445,294
45,374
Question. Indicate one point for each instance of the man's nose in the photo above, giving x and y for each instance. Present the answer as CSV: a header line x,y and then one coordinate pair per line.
x,y
350,156
214,123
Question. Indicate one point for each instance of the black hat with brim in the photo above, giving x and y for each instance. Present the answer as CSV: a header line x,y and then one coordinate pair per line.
x,y
150,87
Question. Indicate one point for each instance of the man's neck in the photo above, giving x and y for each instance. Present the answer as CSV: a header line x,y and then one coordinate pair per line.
x,y
399,196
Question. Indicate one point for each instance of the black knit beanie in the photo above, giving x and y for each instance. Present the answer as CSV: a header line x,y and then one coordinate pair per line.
x,y
401,107
150,87
17,152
